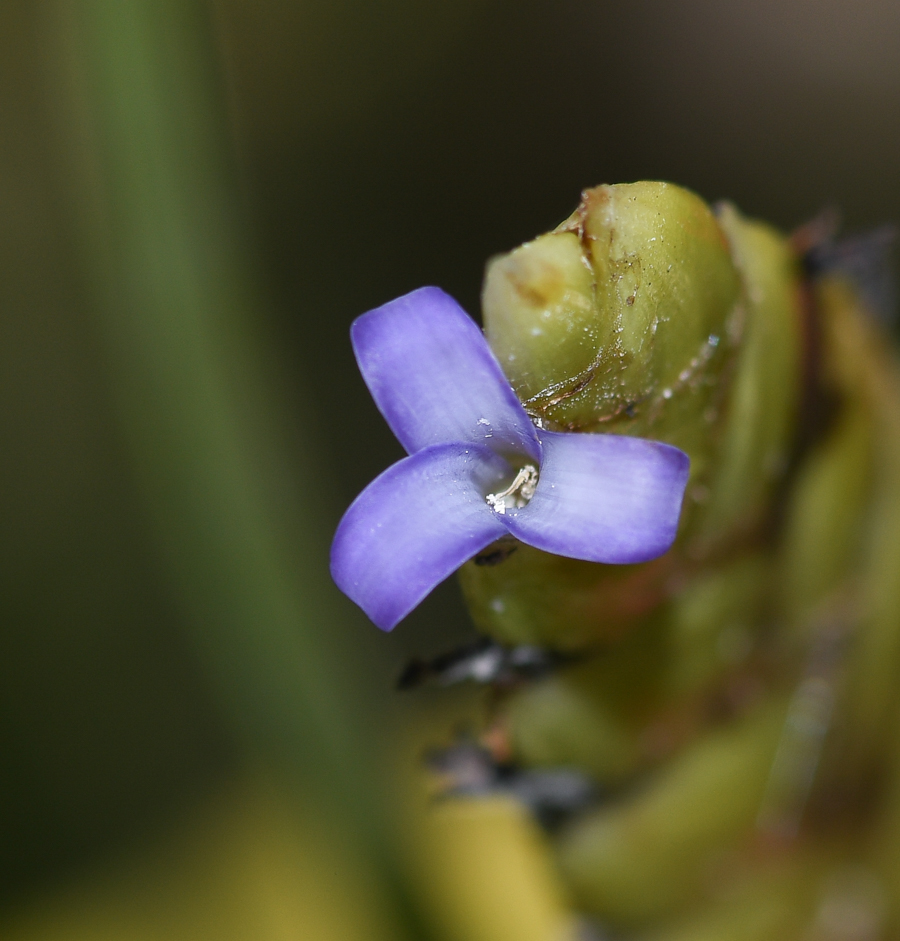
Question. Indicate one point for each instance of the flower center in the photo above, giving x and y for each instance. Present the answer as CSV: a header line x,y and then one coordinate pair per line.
x,y
517,494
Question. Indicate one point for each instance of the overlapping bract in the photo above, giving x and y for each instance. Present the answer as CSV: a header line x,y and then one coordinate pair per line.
x,y
601,498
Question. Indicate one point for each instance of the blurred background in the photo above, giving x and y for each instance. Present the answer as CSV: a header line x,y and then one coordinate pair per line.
x,y
197,199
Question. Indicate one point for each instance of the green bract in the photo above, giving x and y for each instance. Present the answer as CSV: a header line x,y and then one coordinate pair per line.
x,y
645,314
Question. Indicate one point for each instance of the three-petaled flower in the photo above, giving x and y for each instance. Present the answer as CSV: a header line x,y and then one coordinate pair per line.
x,y
480,470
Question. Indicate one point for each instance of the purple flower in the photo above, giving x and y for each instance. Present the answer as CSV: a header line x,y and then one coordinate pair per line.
x,y
479,469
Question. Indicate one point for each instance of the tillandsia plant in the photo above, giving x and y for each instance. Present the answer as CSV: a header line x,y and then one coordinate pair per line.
x,y
716,651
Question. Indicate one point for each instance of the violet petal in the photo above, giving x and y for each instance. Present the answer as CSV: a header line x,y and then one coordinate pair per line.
x,y
435,379
414,525
604,498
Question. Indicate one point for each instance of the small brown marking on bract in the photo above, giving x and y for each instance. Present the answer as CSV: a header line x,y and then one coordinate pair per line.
x,y
530,294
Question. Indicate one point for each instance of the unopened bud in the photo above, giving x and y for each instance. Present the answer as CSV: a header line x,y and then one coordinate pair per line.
x,y
615,318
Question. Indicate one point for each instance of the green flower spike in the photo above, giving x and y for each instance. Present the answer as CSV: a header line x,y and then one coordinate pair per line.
x,y
736,701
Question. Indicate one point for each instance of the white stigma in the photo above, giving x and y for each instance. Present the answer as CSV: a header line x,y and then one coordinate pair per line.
x,y
517,494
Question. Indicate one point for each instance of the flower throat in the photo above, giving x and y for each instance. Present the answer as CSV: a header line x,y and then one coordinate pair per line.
x,y
517,494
